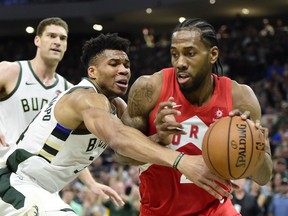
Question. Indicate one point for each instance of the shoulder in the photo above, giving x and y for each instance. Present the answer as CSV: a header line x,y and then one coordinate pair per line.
x,y
145,92
241,91
151,80
9,67
9,74
82,96
245,99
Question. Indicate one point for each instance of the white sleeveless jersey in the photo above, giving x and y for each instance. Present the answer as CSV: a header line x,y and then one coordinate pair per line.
x,y
50,154
19,108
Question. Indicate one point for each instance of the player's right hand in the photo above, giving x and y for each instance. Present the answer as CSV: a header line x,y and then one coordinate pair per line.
x,y
165,122
3,141
195,169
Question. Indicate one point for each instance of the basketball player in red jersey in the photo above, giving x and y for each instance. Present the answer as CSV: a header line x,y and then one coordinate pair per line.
x,y
202,96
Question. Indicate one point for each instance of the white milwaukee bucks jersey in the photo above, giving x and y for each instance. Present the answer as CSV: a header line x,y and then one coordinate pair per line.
x,y
50,154
19,107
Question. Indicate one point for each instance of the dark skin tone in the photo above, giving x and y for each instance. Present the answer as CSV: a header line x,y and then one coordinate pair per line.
x,y
192,60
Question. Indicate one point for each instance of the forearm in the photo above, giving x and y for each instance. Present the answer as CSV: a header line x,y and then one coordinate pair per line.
x,y
126,160
132,143
263,174
86,177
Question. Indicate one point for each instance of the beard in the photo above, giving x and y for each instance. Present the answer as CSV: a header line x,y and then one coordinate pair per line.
x,y
197,83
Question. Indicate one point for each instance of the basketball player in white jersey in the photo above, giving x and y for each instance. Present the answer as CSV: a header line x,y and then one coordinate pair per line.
x,y
26,86
73,130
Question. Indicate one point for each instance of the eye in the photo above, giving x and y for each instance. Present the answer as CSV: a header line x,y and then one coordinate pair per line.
x,y
63,38
113,64
127,65
52,35
191,54
174,54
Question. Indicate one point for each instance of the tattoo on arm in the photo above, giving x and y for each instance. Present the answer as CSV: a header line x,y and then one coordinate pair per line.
x,y
139,98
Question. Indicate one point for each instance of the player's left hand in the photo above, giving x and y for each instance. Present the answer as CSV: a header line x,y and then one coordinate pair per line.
x,y
236,112
267,161
105,192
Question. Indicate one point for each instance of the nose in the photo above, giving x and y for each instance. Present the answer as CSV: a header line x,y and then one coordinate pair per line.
x,y
181,63
57,41
124,70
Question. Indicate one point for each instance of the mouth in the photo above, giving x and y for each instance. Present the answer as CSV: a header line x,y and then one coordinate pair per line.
x,y
182,78
56,50
123,83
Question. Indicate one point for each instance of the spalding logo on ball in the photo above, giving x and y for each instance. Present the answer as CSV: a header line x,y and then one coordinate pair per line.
x,y
233,148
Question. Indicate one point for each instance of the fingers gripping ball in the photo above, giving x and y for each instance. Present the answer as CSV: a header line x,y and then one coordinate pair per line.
x,y
232,147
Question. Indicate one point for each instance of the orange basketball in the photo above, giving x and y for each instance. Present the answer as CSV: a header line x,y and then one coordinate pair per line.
x,y
232,147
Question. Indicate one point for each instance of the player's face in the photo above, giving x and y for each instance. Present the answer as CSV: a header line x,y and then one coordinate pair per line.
x,y
112,72
191,59
52,43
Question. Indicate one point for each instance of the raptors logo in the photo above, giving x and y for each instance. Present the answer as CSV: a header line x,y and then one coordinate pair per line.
x,y
218,113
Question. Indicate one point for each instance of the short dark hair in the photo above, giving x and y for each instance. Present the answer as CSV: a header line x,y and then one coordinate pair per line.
x,y
97,45
51,21
208,36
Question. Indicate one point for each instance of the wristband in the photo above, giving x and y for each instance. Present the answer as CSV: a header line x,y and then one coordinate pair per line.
x,y
177,160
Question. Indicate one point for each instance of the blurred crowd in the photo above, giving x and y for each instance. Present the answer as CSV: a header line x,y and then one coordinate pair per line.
x,y
253,53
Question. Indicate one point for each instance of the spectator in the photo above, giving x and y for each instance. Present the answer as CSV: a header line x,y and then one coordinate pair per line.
x,y
279,203
243,201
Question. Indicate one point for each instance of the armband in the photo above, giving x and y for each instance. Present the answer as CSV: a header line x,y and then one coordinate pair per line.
x,y
177,160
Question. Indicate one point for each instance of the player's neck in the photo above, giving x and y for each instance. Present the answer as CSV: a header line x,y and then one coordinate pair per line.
x,y
203,94
45,73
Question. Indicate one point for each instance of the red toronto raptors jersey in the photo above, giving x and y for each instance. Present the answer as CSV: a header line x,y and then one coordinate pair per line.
x,y
165,191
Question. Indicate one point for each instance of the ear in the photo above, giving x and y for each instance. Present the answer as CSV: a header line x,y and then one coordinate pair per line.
x,y
214,54
37,41
92,71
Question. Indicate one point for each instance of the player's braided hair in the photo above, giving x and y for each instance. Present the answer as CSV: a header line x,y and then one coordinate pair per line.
x,y
95,46
208,36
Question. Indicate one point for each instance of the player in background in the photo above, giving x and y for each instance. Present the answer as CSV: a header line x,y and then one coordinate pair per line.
x,y
27,85
195,94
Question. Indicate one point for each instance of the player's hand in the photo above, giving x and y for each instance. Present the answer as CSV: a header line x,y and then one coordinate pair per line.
x,y
195,169
236,112
165,122
3,141
105,192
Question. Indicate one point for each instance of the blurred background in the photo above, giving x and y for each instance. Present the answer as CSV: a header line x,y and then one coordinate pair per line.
x,y
253,37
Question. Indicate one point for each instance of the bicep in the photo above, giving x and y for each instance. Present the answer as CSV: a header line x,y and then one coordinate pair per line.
x,y
98,119
85,109
141,100
245,99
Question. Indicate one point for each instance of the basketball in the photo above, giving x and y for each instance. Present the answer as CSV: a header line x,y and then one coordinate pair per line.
x,y
232,147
